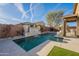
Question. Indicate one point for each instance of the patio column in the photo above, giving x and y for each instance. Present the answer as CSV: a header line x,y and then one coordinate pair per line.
x,y
64,32
77,29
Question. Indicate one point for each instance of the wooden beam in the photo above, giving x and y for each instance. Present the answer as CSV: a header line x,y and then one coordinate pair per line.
x,y
71,19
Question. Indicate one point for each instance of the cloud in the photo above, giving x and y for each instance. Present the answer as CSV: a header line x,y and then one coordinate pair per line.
x,y
30,9
20,7
31,12
9,14
2,21
3,4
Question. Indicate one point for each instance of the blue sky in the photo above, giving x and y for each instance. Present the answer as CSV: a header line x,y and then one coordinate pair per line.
x,y
17,13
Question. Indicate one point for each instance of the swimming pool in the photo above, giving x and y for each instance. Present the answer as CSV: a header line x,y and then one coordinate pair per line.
x,y
30,42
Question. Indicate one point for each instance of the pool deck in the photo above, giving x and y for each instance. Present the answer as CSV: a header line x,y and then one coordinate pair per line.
x,y
9,48
70,44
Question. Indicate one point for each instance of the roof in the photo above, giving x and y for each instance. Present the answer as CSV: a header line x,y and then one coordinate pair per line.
x,y
27,23
70,18
40,23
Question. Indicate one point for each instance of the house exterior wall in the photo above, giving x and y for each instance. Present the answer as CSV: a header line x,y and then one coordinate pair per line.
x,y
26,29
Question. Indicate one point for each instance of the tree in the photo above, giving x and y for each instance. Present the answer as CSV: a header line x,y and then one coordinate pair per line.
x,y
54,18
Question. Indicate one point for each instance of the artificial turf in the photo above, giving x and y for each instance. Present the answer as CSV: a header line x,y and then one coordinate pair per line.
x,y
58,51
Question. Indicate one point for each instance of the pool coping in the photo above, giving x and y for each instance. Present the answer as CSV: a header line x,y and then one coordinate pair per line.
x,y
19,37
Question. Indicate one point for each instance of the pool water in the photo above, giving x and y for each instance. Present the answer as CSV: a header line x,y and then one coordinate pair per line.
x,y
30,42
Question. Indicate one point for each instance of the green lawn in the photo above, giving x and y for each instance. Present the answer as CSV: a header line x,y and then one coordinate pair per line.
x,y
57,51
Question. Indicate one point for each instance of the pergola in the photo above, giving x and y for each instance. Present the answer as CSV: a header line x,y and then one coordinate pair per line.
x,y
68,18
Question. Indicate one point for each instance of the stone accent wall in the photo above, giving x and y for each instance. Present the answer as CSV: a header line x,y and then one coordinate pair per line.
x,y
77,30
11,30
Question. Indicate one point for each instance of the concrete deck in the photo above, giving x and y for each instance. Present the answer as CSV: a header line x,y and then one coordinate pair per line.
x,y
9,48
69,43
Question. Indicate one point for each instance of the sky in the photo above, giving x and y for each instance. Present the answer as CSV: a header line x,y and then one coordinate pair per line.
x,y
14,13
